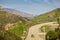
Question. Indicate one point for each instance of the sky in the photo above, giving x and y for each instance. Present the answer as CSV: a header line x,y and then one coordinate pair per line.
x,y
35,7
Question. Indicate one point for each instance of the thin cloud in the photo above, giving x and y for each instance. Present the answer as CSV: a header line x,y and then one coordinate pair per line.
x,y
56,3
47,1
25,0
2,5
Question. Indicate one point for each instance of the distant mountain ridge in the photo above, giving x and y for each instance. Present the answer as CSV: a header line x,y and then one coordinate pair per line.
x,y
23,14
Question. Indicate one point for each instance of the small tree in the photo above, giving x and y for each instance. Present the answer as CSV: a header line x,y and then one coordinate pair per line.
x,y
51,35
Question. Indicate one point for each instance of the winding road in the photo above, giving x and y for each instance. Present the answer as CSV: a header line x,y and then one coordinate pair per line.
x,y
35,34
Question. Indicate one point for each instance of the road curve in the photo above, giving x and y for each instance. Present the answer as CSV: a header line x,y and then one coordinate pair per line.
x,y
35,31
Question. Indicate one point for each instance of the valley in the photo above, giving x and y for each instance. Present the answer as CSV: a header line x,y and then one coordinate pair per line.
x,y
16,25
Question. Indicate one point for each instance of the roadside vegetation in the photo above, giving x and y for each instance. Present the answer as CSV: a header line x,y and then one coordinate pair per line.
x,y
54,34
45,28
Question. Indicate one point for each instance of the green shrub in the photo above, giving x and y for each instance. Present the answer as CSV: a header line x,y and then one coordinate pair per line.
x,y
58,32
51,35
17,28
45,28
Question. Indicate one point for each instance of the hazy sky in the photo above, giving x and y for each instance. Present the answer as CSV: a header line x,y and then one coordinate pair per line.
x,y
35,7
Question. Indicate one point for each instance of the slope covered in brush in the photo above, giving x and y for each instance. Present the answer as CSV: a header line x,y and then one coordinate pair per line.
x,y
9,18
6,17
47,17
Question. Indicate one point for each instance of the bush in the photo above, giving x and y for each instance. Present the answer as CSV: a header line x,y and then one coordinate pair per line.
x,y
45,28
17,28
9,36
51,35
58,32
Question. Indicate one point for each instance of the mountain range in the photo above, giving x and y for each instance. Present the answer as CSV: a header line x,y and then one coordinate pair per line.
x,y
20,13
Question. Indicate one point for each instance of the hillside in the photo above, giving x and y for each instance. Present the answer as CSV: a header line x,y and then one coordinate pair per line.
x,y
9,18
9,36
20,13
47,17
6,17
20,24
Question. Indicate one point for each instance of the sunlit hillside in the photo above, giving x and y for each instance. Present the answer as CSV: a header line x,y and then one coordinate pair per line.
x,y
47,17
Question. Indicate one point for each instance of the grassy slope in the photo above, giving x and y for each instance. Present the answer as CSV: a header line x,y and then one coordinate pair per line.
x,y
19,25
5,18
47,17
